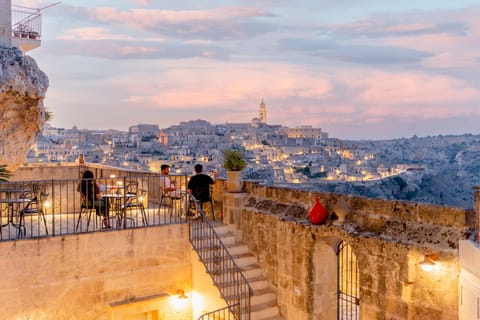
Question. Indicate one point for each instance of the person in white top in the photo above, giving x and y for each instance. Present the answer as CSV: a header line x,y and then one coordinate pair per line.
x,y
167,185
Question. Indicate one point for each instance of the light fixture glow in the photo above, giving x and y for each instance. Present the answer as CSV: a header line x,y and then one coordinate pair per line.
x,y
47,204
428,262
181,294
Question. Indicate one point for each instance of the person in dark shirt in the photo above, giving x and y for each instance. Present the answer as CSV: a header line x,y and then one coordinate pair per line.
x,y
199,184
92,197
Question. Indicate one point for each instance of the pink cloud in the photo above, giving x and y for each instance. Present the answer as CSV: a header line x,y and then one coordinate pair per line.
x,y
415,88
92,33
148,18
451,50
225,84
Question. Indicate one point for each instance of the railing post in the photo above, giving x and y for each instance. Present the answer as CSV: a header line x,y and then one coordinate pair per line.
x,y
53,207
124,201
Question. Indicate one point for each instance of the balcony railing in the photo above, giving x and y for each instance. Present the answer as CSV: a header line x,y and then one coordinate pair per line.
x,y
39,208
26,22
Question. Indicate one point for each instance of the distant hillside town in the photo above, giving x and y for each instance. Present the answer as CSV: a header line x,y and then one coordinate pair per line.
x,y
439,170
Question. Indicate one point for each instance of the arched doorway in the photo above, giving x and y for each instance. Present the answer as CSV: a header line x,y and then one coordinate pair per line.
x,y
348,298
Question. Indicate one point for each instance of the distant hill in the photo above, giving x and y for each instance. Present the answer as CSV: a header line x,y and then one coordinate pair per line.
x,y
452,169
448,169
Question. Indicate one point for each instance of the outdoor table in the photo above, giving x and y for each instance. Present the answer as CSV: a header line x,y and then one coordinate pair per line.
x,y
116,203
14,208
8,192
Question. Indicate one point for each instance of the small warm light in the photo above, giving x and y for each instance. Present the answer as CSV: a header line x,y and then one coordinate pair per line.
x,y
181,294
140,198
46,204
180,301
112,176
119,183
428,262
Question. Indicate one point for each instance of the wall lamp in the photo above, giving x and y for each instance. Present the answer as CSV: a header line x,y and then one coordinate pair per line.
x,y
428,262
181,294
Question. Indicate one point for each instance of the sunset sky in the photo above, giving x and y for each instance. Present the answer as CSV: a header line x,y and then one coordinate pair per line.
x,y
358,69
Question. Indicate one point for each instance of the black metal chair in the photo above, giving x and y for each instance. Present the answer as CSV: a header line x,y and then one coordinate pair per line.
x,y
204,195
134,198
37,198
88,208
170,201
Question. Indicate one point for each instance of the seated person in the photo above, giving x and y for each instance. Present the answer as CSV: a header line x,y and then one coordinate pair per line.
x,y
92,197
199,184
168,187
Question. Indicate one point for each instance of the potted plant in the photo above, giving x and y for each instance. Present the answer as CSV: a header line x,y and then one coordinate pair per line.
x,y
234,163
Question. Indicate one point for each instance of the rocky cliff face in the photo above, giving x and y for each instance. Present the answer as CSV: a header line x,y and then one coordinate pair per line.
x,y
22,90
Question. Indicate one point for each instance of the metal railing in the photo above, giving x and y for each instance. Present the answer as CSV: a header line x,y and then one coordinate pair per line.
x,y
225,273
39,208
223,313
26,22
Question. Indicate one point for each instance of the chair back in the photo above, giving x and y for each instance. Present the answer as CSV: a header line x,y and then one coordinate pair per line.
x,y
36,196
86,204
131,187
202,194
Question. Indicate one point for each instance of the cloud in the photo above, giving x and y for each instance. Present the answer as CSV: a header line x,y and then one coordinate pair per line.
x,y
225,85
379,27
93,34
141,2
364,54
217,23
110,46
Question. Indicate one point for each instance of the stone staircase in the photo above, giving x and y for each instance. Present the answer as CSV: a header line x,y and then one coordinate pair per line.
x,y
264,300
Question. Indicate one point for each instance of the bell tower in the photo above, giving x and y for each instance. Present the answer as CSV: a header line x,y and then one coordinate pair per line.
x,y
263,112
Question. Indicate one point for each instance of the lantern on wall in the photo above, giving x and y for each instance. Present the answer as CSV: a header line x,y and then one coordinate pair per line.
x,y
318,213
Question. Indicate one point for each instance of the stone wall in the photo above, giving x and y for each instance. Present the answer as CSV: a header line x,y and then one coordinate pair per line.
x,y
82,276
389,240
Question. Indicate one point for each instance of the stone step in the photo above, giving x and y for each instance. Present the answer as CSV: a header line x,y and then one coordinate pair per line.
x,y
263,296
264,311
221,229
222,258
237,249
257,284
245,260
227,240
251,271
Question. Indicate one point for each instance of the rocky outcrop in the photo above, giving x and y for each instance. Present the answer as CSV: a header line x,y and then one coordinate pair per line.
x,y
22,91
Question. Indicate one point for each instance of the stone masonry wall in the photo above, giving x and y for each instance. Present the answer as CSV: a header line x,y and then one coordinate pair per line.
x,y
79,276
389,240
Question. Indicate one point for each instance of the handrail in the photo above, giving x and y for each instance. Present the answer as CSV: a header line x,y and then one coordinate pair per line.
x,y
222,313
221,266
